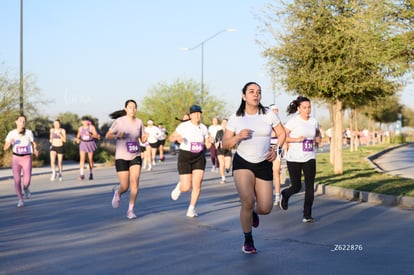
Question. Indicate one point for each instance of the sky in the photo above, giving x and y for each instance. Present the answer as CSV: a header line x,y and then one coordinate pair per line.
x,y
90,56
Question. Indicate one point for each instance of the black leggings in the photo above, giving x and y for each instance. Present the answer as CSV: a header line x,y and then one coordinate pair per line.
x,y
295,173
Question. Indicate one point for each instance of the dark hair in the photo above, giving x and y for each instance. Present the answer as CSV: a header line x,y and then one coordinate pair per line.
x,y
183,120
25,118
119,113
242,107
293,106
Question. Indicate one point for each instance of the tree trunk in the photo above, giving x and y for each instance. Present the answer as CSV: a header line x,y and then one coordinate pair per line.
x,y
338,136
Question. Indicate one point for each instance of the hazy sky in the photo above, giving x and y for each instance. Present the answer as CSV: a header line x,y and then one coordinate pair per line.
x,y
89,56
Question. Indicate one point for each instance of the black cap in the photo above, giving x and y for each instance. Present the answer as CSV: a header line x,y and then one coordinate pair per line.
x,y
195,109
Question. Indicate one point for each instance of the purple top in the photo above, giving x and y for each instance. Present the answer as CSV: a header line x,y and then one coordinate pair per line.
x,y
128,147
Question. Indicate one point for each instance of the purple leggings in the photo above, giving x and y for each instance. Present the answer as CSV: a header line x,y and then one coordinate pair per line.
x,y
19,164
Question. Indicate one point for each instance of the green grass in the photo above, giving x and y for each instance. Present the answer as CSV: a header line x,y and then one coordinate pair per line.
x,y
360,175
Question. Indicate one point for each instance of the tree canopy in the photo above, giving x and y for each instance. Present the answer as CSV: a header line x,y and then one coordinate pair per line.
x,y
344,53
166,101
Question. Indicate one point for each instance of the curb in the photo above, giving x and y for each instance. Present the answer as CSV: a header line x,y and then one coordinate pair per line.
x,y
362,196
404,202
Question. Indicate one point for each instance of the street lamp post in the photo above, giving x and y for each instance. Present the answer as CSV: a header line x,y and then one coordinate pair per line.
x,y
201,44
21,58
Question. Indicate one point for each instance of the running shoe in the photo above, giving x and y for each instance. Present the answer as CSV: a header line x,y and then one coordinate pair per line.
x,y
191,213
90,176
307,219
255,219
116,199
284,203
27,193
131,215
53,177
175,194
248,246
81,177
60,177
223,181
20,204
277,201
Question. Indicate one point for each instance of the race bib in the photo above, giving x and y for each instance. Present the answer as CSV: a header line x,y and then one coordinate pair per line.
x,y
196,147
86,137
22,150
132,146
307,145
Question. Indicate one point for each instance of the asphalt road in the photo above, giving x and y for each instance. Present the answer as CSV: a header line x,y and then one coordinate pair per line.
x,y
70,227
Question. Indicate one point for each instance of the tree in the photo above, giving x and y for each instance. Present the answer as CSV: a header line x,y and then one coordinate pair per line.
x,y
387,110
69,121
166,101
407,117
9,102
40,126
341,52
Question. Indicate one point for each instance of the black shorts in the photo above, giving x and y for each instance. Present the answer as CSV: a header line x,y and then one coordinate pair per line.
x,y
262,170
143,148
161,142
57,149
187,162
124,165
154,145
225,152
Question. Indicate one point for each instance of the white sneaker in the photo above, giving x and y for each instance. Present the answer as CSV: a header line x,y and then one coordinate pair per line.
x,y
191,213
223,180
175,194
27,193
20,204
60,177
53,177
277,201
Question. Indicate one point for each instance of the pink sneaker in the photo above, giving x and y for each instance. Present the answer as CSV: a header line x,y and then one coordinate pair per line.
x,y
116,199
131,215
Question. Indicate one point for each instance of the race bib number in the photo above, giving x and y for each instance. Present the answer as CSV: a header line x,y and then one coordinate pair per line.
x,y
132,147
196,147
22,150
307,145
86,137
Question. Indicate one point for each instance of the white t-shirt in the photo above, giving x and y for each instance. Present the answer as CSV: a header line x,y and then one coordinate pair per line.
x,y
256,148
298,127
22,143
162,134
213,129
153,133
193,135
